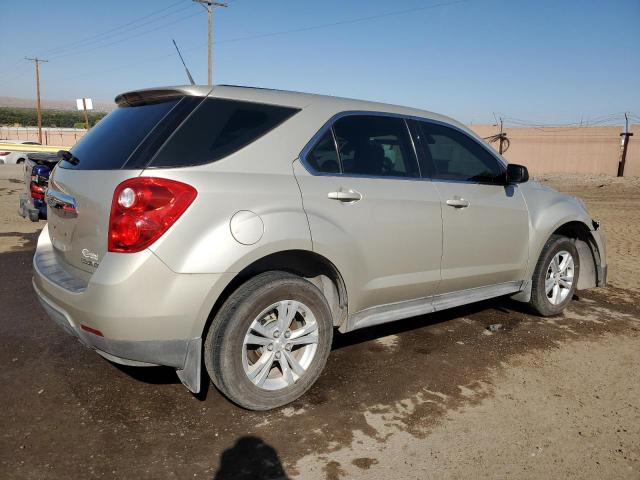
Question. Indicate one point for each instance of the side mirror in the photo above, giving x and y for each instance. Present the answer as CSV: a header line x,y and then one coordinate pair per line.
x,y
517,173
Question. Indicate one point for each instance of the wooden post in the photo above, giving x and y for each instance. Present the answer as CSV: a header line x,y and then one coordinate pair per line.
x,y
625,143
623,155
86,117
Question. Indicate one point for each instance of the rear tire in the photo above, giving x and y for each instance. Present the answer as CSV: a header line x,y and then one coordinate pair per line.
x,y
270,341
555,277
20,161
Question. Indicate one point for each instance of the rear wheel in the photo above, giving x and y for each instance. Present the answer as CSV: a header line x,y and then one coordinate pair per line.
x,y
270,341
20,161
555,277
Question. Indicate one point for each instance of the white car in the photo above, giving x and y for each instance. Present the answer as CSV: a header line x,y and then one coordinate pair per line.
x,y
11,158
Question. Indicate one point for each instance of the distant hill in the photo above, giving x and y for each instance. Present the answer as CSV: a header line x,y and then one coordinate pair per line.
x,y
52,104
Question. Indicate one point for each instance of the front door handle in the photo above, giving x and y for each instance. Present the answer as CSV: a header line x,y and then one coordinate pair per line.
x,y
346,196
458,203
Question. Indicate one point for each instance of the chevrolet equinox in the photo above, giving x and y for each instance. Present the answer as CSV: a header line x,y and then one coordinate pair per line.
x,y
235,228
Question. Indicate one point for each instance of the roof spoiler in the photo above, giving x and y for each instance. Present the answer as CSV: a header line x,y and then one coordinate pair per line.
x,y
158,95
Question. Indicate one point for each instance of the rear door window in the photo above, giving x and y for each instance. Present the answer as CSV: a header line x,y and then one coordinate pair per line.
x,y
375,145
109,144
217,129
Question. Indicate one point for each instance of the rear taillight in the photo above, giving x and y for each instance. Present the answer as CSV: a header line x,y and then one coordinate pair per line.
x,y
37,192
4,154
143,208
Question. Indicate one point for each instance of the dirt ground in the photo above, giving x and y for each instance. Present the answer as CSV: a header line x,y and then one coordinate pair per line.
x,y
438,396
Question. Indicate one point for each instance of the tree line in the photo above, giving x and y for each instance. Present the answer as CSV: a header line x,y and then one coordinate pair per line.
x,y
27,117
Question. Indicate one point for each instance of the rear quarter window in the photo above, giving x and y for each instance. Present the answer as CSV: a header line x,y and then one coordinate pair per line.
x,y
218,128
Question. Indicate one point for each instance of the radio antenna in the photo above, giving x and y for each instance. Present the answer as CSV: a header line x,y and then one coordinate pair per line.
x,y
182,60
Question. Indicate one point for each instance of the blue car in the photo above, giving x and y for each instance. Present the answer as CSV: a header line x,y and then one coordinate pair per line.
x,y
38,167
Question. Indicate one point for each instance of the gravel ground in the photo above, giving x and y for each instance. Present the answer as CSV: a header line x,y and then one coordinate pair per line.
x,y
438,396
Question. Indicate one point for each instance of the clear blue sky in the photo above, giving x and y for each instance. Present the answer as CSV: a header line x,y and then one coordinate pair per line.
x,y
550,61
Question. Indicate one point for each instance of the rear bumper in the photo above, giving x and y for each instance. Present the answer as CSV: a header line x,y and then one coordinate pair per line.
x,y
170,353
144,313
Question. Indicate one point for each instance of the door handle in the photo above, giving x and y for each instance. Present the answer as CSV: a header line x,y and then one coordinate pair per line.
x,y
458,203
346,196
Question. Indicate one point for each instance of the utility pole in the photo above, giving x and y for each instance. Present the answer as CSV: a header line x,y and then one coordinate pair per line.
x,y
37,62
209,5
624,144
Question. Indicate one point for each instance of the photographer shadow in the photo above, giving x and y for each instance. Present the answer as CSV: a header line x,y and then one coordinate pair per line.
x,y
250,459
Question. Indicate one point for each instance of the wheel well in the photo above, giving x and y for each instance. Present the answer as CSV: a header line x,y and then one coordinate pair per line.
x,y
588,253
315,268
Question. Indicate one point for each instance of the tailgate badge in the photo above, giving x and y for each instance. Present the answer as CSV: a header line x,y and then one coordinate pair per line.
x,y
89,258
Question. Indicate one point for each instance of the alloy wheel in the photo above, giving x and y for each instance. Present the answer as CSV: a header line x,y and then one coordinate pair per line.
x,y
559,277
280,345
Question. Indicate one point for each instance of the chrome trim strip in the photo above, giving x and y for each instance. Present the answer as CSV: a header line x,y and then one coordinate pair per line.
x,y
414,149
411,308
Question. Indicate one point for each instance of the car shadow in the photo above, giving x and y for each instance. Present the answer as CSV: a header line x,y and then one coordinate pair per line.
x,y
167,375
150,375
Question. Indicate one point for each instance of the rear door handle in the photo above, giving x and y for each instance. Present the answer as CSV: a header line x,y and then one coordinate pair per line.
x,y
346,196
458,203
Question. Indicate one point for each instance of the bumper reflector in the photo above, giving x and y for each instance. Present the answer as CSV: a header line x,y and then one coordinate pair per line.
x,y
91,330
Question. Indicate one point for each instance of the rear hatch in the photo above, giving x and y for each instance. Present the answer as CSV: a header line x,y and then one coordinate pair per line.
x,y
150,129
118,148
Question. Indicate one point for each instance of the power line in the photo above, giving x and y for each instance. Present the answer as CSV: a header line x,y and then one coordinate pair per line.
x,y
68,50
264,35
79,52
343,22
282,32
101,35
603,120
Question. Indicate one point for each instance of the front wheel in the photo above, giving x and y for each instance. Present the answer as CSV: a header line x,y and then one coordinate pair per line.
x,y
270,341
555,277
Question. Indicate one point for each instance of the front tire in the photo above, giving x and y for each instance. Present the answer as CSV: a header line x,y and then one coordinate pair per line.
x,y
555,277
270,341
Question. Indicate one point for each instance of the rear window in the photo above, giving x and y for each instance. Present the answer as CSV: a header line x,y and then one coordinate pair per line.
x,y
111,142
218,128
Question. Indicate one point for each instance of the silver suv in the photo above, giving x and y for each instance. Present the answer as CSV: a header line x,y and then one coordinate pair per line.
x,y
241,226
